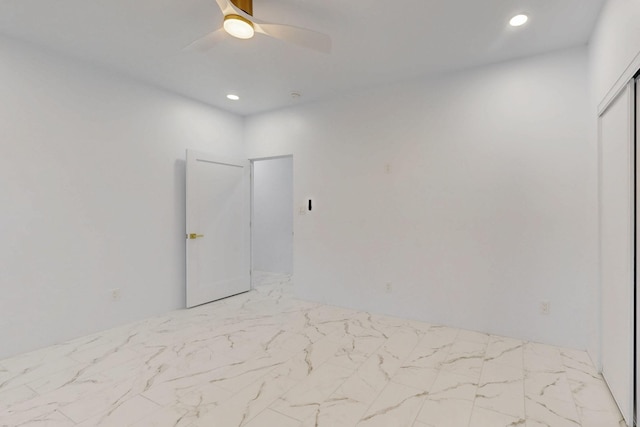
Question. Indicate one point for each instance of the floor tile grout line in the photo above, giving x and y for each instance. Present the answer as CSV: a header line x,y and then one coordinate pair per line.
x,y
440,371
355,371
269,408
57,411
473,405
33,390
415,417
382,389
146,398
391,378
578,409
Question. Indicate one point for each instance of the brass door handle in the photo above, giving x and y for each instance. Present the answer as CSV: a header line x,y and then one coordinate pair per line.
x,y
194,236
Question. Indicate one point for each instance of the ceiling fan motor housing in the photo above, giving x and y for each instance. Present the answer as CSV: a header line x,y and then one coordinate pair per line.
x,y
240,23
245,5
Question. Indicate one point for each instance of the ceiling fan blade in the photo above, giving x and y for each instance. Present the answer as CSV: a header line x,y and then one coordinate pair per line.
x,y
300,36
208,41
226,7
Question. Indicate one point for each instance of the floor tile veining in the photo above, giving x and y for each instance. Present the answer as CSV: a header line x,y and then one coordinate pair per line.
x,y
264,359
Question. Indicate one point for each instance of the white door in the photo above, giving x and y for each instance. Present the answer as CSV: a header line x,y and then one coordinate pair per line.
x,y
617,248
218,235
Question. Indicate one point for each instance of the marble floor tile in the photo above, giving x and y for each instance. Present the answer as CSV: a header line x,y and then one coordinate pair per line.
x,y
577,360
421,368
186,394
542,358
265,359
465,358
369,379
505,351
473,336
79,374
27,362
94,402
397,406
273,418
337,410
49,419
552,412
20,372
481,417
501,389
16,395
168,416
124,413
445,412
32,414
450,385
303,364
243,406
353,349
302,401
591,418
444,332
540,386
412,376
592,393
435,342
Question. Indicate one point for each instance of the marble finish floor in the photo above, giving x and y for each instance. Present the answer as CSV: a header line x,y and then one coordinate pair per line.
x,y
264,359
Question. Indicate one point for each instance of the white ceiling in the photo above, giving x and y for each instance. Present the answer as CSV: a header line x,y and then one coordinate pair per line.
x,y
374,41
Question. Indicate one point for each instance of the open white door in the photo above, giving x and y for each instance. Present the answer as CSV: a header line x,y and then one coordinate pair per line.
x,y
218,234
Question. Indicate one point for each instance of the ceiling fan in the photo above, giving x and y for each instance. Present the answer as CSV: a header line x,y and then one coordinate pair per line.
x,y
240,23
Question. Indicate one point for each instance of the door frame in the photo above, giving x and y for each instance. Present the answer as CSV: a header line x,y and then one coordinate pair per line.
x,y
252,160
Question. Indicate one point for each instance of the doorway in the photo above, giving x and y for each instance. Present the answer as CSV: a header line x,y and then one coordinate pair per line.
x,y
271,220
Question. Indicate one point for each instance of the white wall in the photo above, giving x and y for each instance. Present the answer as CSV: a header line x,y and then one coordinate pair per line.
x,y
272,224
614,56
614,46
488,207
92,195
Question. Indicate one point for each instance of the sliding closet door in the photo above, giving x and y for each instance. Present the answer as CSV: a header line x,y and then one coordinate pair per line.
x,y
617,247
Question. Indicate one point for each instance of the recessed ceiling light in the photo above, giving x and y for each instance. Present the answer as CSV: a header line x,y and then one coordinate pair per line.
x,y
518,20
233,97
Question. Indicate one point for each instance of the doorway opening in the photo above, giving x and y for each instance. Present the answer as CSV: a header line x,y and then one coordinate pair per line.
x,y
271,221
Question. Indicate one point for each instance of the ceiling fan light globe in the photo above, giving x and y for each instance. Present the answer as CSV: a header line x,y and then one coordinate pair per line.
x,y
238,27
518,20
